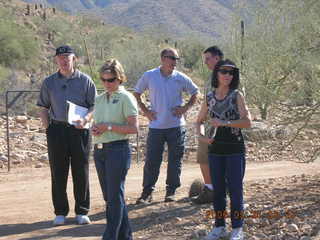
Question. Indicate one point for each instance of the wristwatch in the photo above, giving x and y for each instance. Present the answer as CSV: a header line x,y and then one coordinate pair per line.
x,y
109,128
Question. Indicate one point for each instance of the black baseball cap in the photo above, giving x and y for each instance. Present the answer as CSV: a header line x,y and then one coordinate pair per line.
x,y
64,50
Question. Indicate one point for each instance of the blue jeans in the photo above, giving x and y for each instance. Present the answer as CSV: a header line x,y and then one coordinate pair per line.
x,y
228,171
174,137
112,164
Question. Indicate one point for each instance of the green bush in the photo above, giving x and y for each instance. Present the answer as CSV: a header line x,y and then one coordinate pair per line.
x,y
191,51
18,46
137,55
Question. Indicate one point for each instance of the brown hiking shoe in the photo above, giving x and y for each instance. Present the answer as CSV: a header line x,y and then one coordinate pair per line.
x,y
206,196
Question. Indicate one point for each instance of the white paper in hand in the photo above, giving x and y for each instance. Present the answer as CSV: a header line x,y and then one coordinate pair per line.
x,y
76,112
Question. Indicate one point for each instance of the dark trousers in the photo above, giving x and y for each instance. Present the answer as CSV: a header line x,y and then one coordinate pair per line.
x,y
69,146
155,146
112,164
227,171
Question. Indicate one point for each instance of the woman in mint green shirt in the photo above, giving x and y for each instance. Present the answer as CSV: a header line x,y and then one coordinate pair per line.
x,y
115,117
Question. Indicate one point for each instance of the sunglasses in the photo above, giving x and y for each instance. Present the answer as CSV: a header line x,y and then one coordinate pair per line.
x,y
110,80
225,71
172,58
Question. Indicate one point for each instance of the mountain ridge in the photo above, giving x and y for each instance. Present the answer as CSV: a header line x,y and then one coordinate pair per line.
x,y
200,18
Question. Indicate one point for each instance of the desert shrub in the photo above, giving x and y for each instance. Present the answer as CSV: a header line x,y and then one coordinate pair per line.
x,y
137,55
191,51
18,46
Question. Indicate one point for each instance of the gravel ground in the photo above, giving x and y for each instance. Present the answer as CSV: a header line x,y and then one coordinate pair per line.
x,y
278,209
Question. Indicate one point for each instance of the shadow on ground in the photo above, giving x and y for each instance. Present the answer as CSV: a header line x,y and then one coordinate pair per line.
x,y
156,213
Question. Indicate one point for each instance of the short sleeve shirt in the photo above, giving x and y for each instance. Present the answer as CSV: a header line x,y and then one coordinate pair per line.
x,y
115,110
56,90
165,93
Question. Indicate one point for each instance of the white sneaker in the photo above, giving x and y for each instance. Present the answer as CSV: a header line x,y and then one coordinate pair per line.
x,y
83,219
216,233
237,234
59,220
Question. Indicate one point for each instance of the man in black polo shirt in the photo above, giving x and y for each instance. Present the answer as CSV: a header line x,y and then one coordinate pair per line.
x,y
67,144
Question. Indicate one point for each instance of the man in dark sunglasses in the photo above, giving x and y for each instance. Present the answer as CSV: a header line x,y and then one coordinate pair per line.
x,y
165,85
173,58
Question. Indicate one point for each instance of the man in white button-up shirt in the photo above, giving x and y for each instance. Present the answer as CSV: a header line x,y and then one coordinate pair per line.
x,y
166,86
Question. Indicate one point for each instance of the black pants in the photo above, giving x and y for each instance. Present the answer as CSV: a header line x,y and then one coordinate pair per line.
x,y
68,145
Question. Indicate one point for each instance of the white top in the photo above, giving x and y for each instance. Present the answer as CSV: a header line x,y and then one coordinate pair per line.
x,y
165,93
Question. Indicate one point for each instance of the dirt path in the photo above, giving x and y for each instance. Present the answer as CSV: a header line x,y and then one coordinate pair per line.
x,y
26,209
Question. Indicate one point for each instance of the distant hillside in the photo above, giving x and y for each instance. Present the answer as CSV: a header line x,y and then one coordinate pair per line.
x,y
73,6
29,36
208,18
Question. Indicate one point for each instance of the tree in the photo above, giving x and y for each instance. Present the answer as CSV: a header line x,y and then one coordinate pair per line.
x,y
18,46
272,55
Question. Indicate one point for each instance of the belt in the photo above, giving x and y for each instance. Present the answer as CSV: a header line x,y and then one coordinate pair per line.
x,y
109,144
52,121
